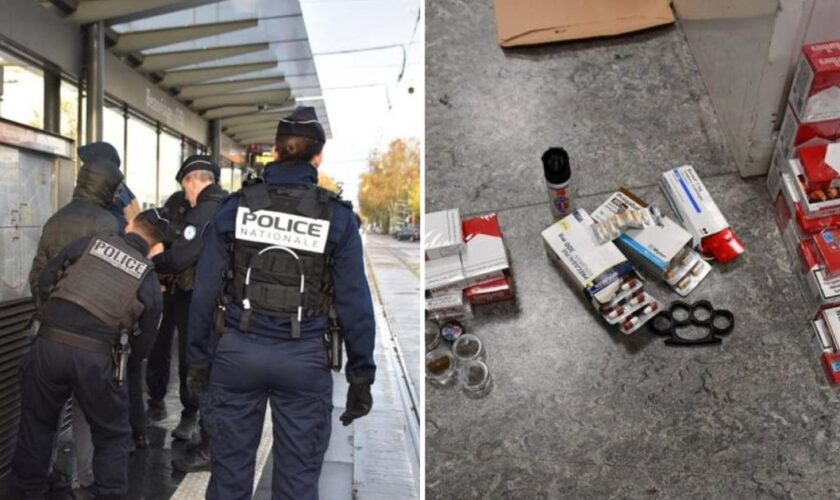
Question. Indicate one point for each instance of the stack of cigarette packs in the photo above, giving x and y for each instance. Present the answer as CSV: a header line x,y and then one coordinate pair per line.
x,y
466,263
812,111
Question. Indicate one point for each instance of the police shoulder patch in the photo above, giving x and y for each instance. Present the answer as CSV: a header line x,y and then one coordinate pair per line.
x,y
282,229
189,232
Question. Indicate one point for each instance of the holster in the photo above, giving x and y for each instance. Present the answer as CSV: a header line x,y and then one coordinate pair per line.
x,y
219,317
119,355
334,346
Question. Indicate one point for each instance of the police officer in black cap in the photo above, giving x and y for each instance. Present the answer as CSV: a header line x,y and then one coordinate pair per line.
x,y
199,177
281,259
96,293
157,370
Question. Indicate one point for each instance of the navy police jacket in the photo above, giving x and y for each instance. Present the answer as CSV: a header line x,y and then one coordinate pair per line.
x,y
352,294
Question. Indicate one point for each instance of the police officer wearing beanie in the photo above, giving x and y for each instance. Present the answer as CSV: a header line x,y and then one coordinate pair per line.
x,y
199,177
93,295
280,256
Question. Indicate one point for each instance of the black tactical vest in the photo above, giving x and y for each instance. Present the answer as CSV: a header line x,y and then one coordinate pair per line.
x,y
282,260
105,280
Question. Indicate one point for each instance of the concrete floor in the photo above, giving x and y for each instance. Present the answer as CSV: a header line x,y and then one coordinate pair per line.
x,y
579,411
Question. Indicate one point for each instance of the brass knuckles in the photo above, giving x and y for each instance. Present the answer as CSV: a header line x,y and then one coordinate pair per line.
x,y
701,313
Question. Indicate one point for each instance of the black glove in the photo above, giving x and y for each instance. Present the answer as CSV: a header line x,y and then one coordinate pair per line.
x,y
359,402
198,376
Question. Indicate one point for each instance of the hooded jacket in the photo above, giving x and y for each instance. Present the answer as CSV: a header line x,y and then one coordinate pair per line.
x,y
87,214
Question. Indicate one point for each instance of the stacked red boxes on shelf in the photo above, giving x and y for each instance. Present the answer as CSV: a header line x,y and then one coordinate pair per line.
x,y
812,111
475,271
810,226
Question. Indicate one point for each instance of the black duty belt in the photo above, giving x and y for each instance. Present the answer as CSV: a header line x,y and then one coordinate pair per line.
x,y
75,340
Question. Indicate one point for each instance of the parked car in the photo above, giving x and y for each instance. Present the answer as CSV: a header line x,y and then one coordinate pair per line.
x,y
408,233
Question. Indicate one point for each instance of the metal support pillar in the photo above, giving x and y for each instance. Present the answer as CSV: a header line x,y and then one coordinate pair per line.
x,y
95,80
216,140
52,101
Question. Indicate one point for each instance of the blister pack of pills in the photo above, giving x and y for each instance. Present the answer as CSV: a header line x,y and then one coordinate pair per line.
x,y
686,272
615,225
618,313
641,316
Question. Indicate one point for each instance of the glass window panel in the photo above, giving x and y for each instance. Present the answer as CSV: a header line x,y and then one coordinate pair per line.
x,y
69,111
226,178
236,183
141,162
170,162
113,130
21,91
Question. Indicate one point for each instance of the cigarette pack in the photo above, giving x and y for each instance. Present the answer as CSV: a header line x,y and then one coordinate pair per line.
x,y
829,358
663,250
484,256
597,269
820,167
443,302
811,206
442,235
815,91
494,290
444,272
827,245
699,214
795,133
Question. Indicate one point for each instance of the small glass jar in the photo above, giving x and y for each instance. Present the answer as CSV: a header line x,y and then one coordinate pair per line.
x,y
475,379
468,347
441,367
433,337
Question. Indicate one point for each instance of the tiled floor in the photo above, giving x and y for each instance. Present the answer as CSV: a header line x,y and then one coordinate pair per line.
x,y
579,411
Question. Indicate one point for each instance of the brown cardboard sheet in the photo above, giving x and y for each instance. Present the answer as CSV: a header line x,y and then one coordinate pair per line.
x,y
529,22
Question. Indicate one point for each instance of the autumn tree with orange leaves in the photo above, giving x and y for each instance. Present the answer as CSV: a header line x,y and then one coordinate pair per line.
x,y
389,194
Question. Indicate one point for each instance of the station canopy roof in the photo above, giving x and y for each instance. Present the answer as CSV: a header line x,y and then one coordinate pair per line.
x,y
247,62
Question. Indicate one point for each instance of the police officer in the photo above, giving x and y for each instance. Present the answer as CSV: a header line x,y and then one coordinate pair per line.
x,y
87,213
93,293
279,257
157,370
199,177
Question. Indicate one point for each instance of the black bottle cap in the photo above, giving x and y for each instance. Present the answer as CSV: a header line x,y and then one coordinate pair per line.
x,y
556,166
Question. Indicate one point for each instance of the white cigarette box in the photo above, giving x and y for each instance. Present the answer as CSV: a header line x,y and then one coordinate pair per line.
x,y
484,255
444,272
442,235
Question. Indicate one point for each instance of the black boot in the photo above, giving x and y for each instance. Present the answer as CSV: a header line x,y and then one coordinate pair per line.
x,y
186,427
197,461
157,410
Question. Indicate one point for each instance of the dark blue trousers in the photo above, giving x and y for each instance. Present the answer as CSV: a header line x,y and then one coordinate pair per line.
x,y
51,373
175,313
248,372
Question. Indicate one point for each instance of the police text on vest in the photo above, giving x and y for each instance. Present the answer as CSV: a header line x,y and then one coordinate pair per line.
x,y
119,259
278,228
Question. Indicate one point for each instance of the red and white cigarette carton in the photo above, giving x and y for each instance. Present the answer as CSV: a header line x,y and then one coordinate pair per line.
x,y
796,133
820,168
484,256
830,358
494,290
827,246
815,91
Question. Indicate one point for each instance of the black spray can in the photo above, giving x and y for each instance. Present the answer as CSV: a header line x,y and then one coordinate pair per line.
x,y
558,175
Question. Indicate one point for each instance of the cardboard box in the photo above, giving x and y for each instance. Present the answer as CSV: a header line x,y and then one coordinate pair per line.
x,y
484,255
444,272
815,91
529,22
495,290
699,214
442,235
596,269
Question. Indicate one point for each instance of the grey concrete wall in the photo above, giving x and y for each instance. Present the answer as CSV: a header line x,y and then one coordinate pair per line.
x,y
43,32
